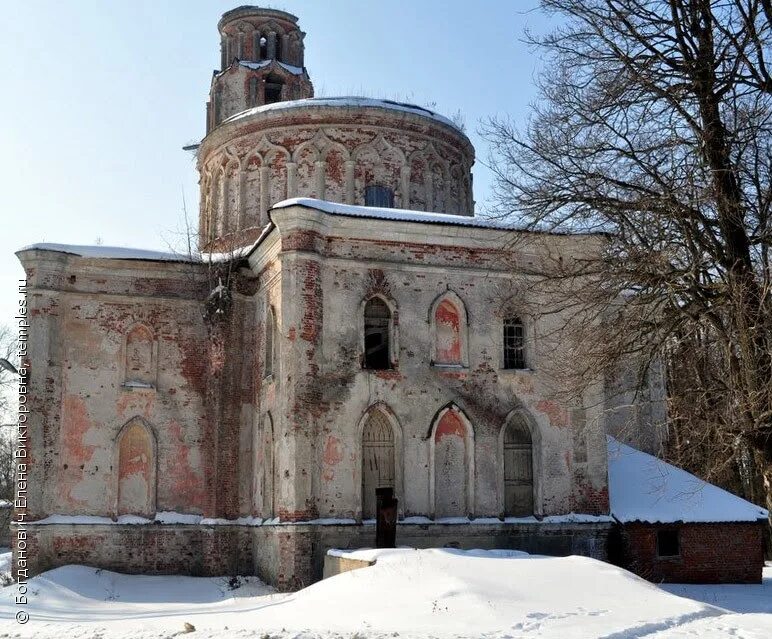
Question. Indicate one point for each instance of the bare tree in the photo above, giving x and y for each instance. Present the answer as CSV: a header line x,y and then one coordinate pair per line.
x,y
653,126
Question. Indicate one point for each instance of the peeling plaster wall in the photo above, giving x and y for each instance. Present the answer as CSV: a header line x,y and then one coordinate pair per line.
x,y
329,265
329,153
84,390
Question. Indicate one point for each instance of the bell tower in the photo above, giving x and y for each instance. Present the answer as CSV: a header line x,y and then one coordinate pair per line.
x,y
261,60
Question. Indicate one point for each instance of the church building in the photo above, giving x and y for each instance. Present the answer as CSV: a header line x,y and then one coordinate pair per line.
x,y
349,324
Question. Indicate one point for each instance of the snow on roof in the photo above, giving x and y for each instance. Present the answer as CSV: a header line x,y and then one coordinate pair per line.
x,y
111,252
345,101
264,63
646,489
400,215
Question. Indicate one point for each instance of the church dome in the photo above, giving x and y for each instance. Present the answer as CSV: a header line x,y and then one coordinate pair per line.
x,y
265,145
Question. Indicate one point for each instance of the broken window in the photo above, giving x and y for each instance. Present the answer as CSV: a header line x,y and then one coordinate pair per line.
x,y
668,543
377,195
514,343
377,334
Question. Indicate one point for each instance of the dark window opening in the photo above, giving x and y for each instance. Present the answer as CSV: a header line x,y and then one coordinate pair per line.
x,y
514,343
377,329
278,47
263,48
668,543
273,86
376,195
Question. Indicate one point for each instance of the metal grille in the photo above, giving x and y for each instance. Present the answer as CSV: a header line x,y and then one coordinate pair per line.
x,y
514,343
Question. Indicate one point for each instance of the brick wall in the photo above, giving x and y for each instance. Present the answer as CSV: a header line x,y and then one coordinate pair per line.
x,y
152,550
288,557
709,553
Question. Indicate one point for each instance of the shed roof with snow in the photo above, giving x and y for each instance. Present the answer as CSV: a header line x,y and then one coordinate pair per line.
x,y
643,488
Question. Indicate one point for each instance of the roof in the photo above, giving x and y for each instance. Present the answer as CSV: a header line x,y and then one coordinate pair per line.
x,y
405,215
254,10
350,102
643,488
264,63
399,215
111,252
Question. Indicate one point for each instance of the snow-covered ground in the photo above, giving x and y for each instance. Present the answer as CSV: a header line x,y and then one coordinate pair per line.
x,y
407,593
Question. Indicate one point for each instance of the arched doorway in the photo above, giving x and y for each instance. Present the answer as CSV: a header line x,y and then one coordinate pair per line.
x,y
518,469
378,459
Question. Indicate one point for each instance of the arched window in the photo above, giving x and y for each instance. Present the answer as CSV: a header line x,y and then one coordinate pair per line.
x,y
377,195
136,471
518,469
262,47
378,467
514,343
270,340
448,321
378,326
273,89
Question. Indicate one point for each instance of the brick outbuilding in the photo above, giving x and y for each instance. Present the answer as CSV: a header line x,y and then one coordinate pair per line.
x,y
673,527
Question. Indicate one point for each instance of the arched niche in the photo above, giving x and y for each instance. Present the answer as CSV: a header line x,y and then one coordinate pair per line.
x,y
449,332
418,199
135,450
268,471
381,456
451,462
377,162
140,349
269,344
252,166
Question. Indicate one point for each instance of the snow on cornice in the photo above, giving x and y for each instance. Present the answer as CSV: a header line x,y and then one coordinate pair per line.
x,y
111,252
255,65
264,63
346,101
398,215
127,253
643,488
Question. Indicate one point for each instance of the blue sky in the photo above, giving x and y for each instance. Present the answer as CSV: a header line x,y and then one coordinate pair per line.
x,y
99,98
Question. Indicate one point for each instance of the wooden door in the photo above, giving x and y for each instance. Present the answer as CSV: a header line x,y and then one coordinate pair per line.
x,y
518,470
377,460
